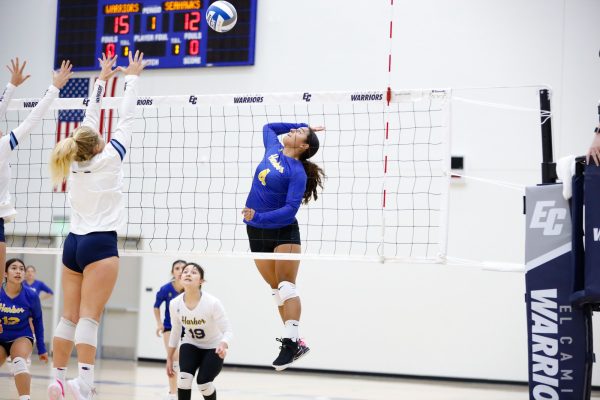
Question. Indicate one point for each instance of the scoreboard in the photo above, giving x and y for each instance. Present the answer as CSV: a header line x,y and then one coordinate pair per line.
x,y
172,34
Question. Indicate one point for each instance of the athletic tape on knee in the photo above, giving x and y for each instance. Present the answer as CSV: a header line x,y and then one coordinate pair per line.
x,y
277,297
287,290
207,388
176,366
19,366
185,381
86,332
65,330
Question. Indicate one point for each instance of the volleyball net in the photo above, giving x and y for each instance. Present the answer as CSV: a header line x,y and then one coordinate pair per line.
x,y
190,165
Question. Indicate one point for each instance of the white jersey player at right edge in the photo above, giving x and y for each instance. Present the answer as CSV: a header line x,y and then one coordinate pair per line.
x,y
205,335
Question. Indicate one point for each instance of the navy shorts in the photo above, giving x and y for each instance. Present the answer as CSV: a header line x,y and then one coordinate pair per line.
x,y
2,238
266,240
80,251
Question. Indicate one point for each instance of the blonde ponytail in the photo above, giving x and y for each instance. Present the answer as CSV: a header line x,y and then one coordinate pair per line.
x,y
79,147
61,158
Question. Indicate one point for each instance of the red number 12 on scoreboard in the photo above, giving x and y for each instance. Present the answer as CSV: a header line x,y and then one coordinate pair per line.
x,y
191,21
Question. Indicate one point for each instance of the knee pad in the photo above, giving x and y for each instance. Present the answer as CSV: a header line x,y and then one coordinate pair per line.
x,y
206,389
185,381
277,297
19,366
65,330
176,366
86,332
287,290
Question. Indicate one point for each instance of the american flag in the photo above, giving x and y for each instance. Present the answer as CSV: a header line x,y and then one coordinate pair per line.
x,y
69,120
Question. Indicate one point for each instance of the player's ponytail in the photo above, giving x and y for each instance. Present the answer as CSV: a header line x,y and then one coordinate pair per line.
x,y
314,173
79,147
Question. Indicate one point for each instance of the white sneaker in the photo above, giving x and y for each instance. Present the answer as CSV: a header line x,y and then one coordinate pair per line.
x,y
56,391
79,390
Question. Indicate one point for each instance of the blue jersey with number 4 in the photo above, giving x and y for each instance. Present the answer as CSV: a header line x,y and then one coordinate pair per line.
x,y
279,182
15,314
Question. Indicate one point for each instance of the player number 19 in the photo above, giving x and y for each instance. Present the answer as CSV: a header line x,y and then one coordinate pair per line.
x,y
196,333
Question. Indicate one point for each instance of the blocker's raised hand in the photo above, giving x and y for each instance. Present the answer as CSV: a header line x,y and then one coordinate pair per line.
x,y
62,76
107,64
16,72
136,64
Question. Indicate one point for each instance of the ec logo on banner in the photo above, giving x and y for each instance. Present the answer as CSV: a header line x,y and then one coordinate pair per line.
x,y
547,217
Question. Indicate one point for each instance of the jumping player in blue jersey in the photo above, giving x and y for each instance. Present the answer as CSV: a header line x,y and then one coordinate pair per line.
x,y
10,141
18,304
164,295
284,179
94,169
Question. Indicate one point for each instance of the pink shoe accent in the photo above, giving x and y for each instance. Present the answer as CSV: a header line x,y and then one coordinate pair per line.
x,y
56,391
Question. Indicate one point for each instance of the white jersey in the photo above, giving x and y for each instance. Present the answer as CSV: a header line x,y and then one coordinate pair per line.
x,y
95,186
204,327
11,140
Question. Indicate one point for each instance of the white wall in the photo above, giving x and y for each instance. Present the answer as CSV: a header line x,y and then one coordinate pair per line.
x,y
410,319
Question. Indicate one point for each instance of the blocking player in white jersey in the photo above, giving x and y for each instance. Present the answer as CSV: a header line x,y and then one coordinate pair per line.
x,y
90,258
205,334
11,141
6,211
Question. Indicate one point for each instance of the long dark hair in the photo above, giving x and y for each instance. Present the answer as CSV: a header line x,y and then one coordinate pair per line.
x,y
314,173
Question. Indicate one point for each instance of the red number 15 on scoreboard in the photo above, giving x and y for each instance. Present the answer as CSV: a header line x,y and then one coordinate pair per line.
x,y
121,25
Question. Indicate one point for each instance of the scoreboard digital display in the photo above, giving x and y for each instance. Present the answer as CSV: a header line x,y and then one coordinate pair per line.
x,y
172,34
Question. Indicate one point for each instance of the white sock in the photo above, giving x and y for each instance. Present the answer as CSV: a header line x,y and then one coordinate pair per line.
x,y
291,329
24,397
86,374
60,374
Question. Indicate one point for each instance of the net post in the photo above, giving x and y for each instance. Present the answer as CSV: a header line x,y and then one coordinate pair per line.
x,y
548,164
447,168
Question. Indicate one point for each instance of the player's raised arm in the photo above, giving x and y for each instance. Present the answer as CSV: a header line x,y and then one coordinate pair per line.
x,y
122,135
17,77
92,112
61,77
274,129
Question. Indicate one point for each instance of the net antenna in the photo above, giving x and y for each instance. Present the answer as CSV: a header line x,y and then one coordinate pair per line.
x,y
192,158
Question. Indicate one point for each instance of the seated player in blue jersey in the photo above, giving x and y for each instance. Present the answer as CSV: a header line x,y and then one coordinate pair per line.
x,y
18,304
283,179
165,294
39,287
94,169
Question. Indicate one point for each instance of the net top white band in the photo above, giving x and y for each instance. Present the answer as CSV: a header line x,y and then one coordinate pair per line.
x,y
196,100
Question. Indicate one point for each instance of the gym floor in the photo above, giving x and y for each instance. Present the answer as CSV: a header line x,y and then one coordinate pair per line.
x,y
120,380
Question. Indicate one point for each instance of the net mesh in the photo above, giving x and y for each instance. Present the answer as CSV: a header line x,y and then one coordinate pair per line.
x,y
192,158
